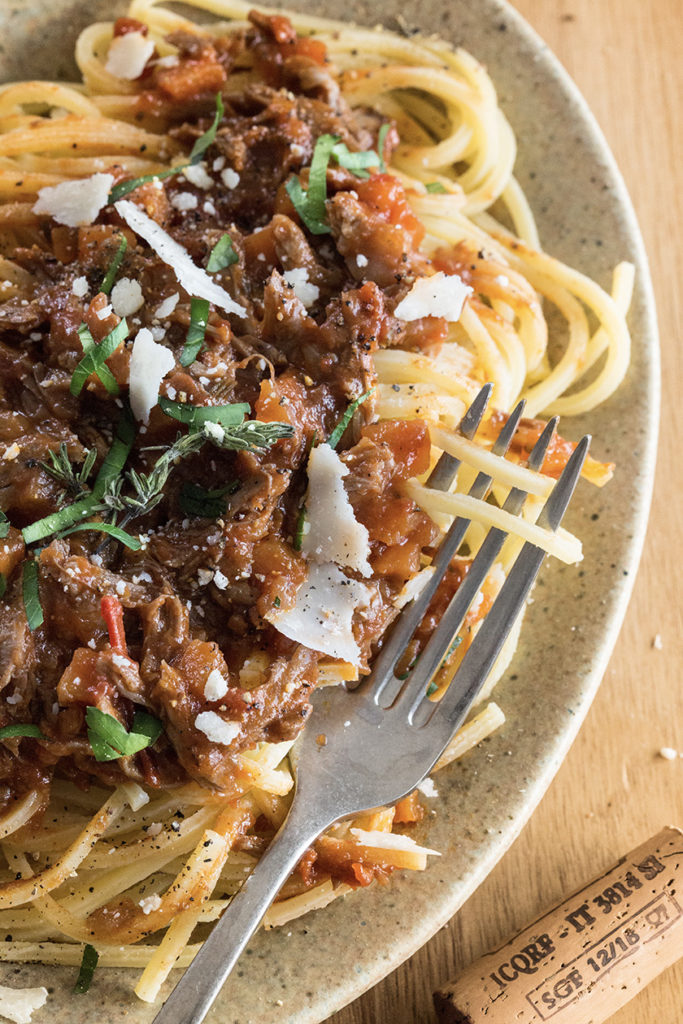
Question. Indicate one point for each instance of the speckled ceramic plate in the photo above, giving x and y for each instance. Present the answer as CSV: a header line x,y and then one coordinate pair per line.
x,y
308,970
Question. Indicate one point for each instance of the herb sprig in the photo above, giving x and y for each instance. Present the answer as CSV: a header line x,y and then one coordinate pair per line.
x,y
148,488
62,469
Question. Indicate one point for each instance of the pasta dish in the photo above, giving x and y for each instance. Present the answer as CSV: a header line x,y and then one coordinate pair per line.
x,y
254,269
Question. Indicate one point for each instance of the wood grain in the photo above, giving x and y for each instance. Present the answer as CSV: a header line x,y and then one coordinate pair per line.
x,y
613,790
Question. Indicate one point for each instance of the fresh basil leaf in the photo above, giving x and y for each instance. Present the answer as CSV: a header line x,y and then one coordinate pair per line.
x,y
356,162
4,525
336,435
31,594
122,536
147,725
21,729
435,187
94,359
230,415
381,139
204,141
195,500
222,255
110,276
310,203
199,318
110,740
87,970
3,584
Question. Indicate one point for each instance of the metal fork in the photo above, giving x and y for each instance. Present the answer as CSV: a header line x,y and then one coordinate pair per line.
x,y
398,733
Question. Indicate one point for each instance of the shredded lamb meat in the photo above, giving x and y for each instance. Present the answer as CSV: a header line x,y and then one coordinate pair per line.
x,y
193,598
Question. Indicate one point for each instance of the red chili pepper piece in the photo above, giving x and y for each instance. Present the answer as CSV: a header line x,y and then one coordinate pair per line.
x,y
112,613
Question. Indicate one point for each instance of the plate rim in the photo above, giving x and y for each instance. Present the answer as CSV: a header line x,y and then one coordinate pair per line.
x,y
323,1005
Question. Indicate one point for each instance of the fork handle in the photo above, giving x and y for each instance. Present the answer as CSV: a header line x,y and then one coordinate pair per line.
x,y
192,997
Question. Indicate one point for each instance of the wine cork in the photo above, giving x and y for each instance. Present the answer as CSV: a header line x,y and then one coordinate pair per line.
x,y
586,958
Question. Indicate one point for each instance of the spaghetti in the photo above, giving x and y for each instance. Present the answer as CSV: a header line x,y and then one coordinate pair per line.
x,y
227,220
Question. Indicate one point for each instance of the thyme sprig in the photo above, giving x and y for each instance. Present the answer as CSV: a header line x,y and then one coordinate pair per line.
x,y
62,469
148,488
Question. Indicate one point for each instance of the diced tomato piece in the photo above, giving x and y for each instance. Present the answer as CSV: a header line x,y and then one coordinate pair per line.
x,y
388,198
314,49
409,809
122,26
409,442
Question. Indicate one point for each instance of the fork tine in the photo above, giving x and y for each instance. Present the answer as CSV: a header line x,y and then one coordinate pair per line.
x,y
441,639
485,647
382,680
443,474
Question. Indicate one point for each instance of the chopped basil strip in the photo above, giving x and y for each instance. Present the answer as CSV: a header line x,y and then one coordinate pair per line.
x,y
3,584
195,415
381,139
222,255
277,602
310,203
94,359
336,435
431,689
110,740
29,586
198,150
4,525
195,500
80,510
435,187
58,520
88,965
299,532
356,162
199,317
204,141
124,187
21,729
109,528
110,276
115,458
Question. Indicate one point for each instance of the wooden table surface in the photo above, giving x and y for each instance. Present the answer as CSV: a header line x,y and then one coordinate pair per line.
x,y
613,790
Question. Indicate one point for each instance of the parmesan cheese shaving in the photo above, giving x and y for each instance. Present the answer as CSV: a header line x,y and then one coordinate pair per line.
x,y
334,533
17,1004
297,279
126,297
216,728
413,587
197,175
390,841
149,364
322,616
128,55
167,306
75,203
193,279
439,295
215,686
